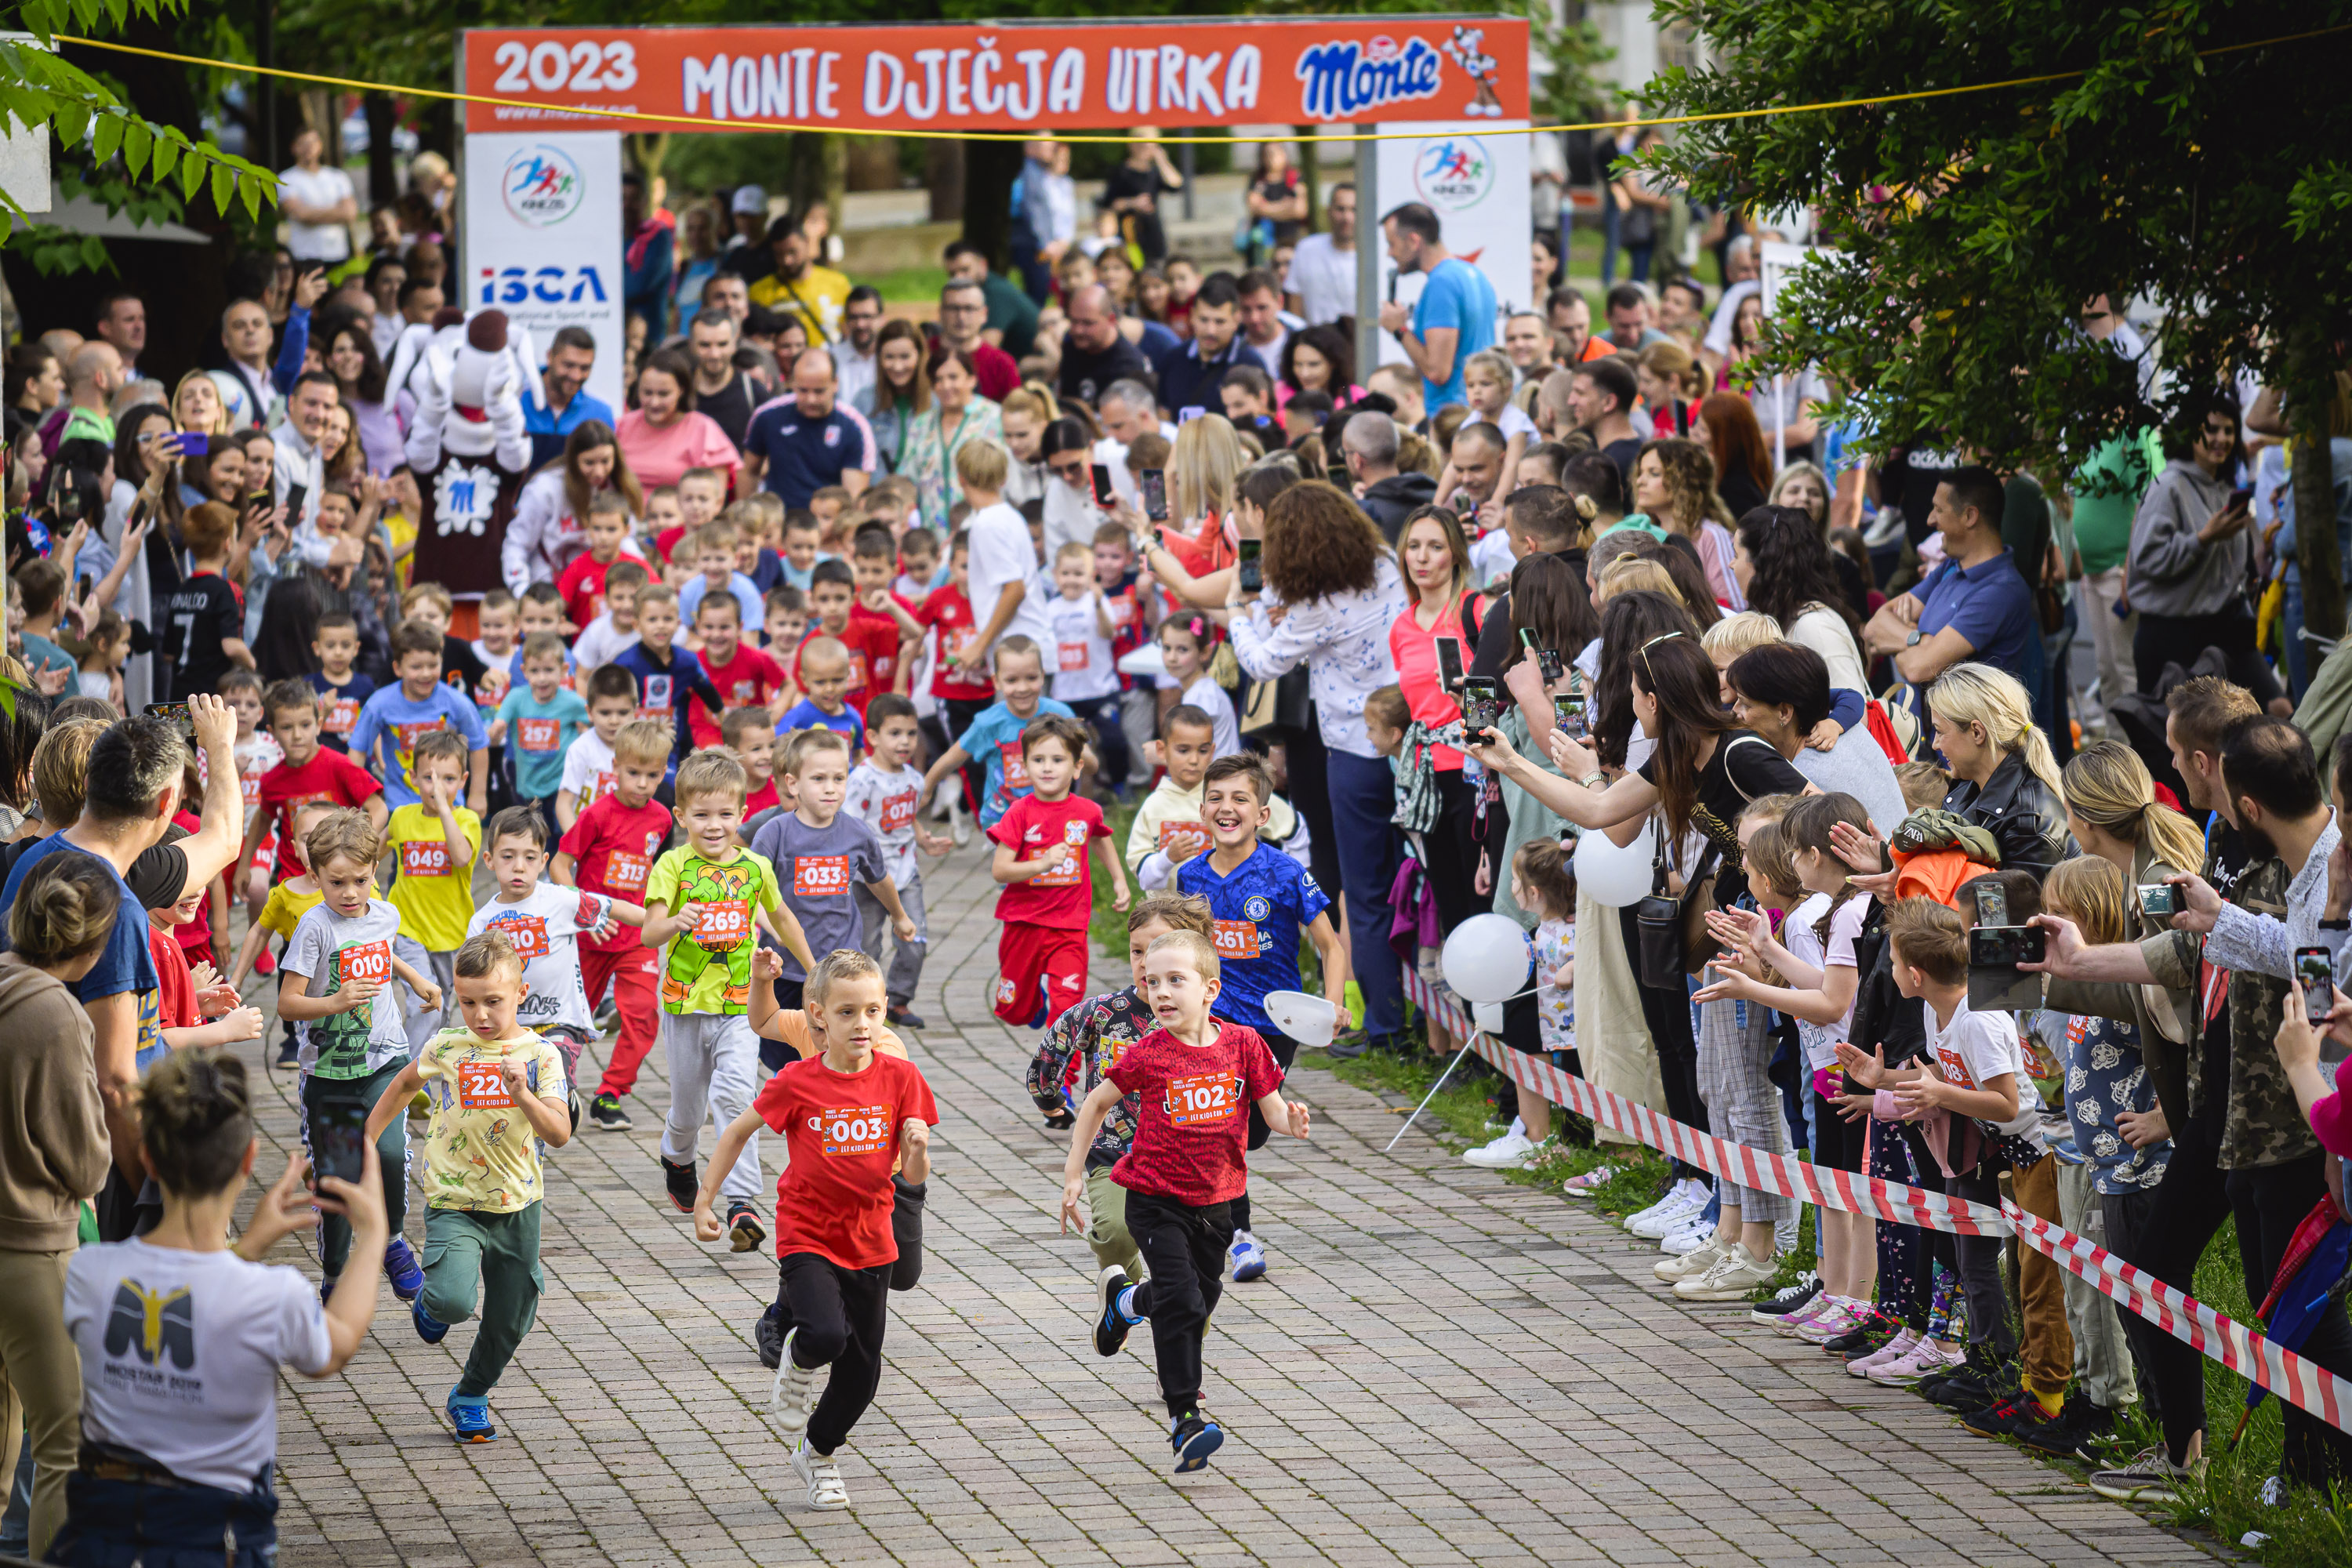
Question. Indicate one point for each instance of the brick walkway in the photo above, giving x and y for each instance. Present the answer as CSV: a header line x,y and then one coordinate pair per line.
x,y
1439,1368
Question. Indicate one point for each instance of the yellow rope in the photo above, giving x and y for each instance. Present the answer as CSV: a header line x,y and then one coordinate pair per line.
x,y
673,119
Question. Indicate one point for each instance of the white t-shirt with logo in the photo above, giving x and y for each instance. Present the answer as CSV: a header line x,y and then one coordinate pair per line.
x,y
1002,553
1975,1046
885,800
589,768
180,1352
546,928
1079,657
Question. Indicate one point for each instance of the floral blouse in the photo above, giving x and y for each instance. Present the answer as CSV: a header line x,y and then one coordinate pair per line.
x,y
1344,640
928,456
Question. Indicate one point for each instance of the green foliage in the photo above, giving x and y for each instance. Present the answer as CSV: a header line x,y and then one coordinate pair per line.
x,y
133,163
1973,228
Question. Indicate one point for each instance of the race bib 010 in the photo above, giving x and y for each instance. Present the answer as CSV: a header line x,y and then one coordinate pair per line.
x,y
366,964
526,933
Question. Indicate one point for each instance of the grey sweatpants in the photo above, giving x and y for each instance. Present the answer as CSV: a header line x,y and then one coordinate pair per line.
x,y
874,929
714,1071
2102,1360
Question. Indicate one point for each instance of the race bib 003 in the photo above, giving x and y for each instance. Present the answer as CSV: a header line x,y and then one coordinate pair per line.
x,y
857,1130
1202,1098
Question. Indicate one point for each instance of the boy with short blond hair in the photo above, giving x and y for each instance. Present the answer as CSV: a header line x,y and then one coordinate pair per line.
x,y
706,902
434,843
1192,1080
610,849
499,1099
713,550
418,704
993,736
1048,898
611,693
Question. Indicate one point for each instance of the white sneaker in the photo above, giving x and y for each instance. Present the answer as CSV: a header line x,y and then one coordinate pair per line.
x,y
1511,1151
823,1476
1691,1235
1669,1213
959,824
1734,1278
1690,1264
795,1396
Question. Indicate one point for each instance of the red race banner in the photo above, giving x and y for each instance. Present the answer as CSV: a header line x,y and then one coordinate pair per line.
x,y
1014,77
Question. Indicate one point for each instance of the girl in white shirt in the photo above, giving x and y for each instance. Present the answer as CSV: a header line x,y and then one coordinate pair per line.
x,y
1186,646
181,1474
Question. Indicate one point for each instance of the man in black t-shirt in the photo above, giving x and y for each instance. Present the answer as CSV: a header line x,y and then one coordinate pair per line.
x,y
1094,352
1134,189
721,389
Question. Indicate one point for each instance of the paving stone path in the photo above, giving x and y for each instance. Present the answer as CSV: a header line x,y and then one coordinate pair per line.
x,y
1438,1368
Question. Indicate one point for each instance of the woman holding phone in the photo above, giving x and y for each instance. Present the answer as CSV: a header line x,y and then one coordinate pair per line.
x,y
1197,548
2191,548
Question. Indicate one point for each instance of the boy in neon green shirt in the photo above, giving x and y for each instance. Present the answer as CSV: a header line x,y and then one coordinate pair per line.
x,y
706,904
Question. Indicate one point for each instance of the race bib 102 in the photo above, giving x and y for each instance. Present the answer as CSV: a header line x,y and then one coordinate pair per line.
x,y
1202,1098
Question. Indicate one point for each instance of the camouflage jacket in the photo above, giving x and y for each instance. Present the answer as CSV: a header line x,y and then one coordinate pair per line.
x,y
1097,1031
2262,1124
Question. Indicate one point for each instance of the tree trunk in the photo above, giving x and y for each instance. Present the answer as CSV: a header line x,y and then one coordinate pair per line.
x,y
989,169
1310,179
2315,516
945,180
383,177
832,174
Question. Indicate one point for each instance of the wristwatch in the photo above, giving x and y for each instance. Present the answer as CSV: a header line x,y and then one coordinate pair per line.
x,y
1594,782
1913,640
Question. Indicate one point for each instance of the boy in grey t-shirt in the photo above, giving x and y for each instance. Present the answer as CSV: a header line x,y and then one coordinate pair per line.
x,y
819,856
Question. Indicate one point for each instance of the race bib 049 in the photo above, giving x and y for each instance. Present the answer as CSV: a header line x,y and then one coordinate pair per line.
x,y
424,857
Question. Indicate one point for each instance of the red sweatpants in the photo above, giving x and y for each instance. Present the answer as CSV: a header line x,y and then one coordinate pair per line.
x,y
1030,956
635,993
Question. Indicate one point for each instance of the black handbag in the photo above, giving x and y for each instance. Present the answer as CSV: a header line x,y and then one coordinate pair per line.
x,y
1664,922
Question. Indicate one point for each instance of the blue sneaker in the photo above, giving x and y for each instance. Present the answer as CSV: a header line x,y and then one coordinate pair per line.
x,y
1248,1259
400,1267
1195,1440
472,1417
429,1329
1111,1323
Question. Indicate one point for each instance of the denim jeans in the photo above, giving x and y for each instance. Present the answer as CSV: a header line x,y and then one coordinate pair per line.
x,y
1363,802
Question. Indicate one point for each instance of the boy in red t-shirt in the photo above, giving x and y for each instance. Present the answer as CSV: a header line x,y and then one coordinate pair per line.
x,y
946,613
851,1118
583,583
309,772
611,849
872,641
1194,1079
193,1007
1048,898
744,675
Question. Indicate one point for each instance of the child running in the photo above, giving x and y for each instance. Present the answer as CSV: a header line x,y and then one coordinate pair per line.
x,y
706,902
850,1118
1191,1078
993,735
883,790
499,1098
1048,898
610,849
1263,901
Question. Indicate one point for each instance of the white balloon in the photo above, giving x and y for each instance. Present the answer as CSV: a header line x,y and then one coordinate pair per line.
x,y
1486,959
1616,876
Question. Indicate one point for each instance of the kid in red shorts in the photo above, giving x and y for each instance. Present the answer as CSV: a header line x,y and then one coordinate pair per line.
x,y
611,850
1048,898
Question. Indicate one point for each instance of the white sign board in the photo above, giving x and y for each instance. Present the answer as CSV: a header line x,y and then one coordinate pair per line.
x,y
542,240
1474,178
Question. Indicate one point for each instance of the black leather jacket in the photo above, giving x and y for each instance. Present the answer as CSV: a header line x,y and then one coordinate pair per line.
x,y
2025,817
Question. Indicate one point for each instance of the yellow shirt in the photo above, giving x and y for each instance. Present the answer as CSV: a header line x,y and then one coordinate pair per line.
x,y
479,1150
435,898
817,297
286,909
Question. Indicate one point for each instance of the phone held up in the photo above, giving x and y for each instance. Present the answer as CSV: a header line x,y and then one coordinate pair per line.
x,y
177,712
1154,484
1482,705
2159,901
1449,663
1105,497
2315,971
339,1138
1249,572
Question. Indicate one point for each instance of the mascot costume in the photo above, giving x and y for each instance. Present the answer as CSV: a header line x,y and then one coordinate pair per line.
x,y
467,444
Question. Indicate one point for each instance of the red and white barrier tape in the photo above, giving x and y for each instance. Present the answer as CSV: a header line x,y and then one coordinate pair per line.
x,y
2242,1349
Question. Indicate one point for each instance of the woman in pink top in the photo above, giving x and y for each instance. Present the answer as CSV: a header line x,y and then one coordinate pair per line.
x,y
662,437
1436,558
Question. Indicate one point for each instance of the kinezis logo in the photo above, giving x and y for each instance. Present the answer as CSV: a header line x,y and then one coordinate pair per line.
x,y
1454,174
541,186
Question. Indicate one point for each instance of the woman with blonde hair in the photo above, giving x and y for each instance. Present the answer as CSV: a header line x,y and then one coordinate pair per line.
x,y
197,405
1194,554
2005,778
1025,412
1674,487
1671,380
1803,486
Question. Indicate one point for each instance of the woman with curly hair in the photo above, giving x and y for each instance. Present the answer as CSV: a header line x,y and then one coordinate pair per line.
x,y
1674,487
1320,359
1783,567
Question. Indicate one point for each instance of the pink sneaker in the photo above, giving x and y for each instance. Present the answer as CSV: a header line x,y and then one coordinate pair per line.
x,y
1893,1350
1796,1320
1923,1359
1843,1317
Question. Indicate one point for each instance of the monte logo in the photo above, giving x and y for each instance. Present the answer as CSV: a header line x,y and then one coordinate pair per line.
x,y
1349,81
